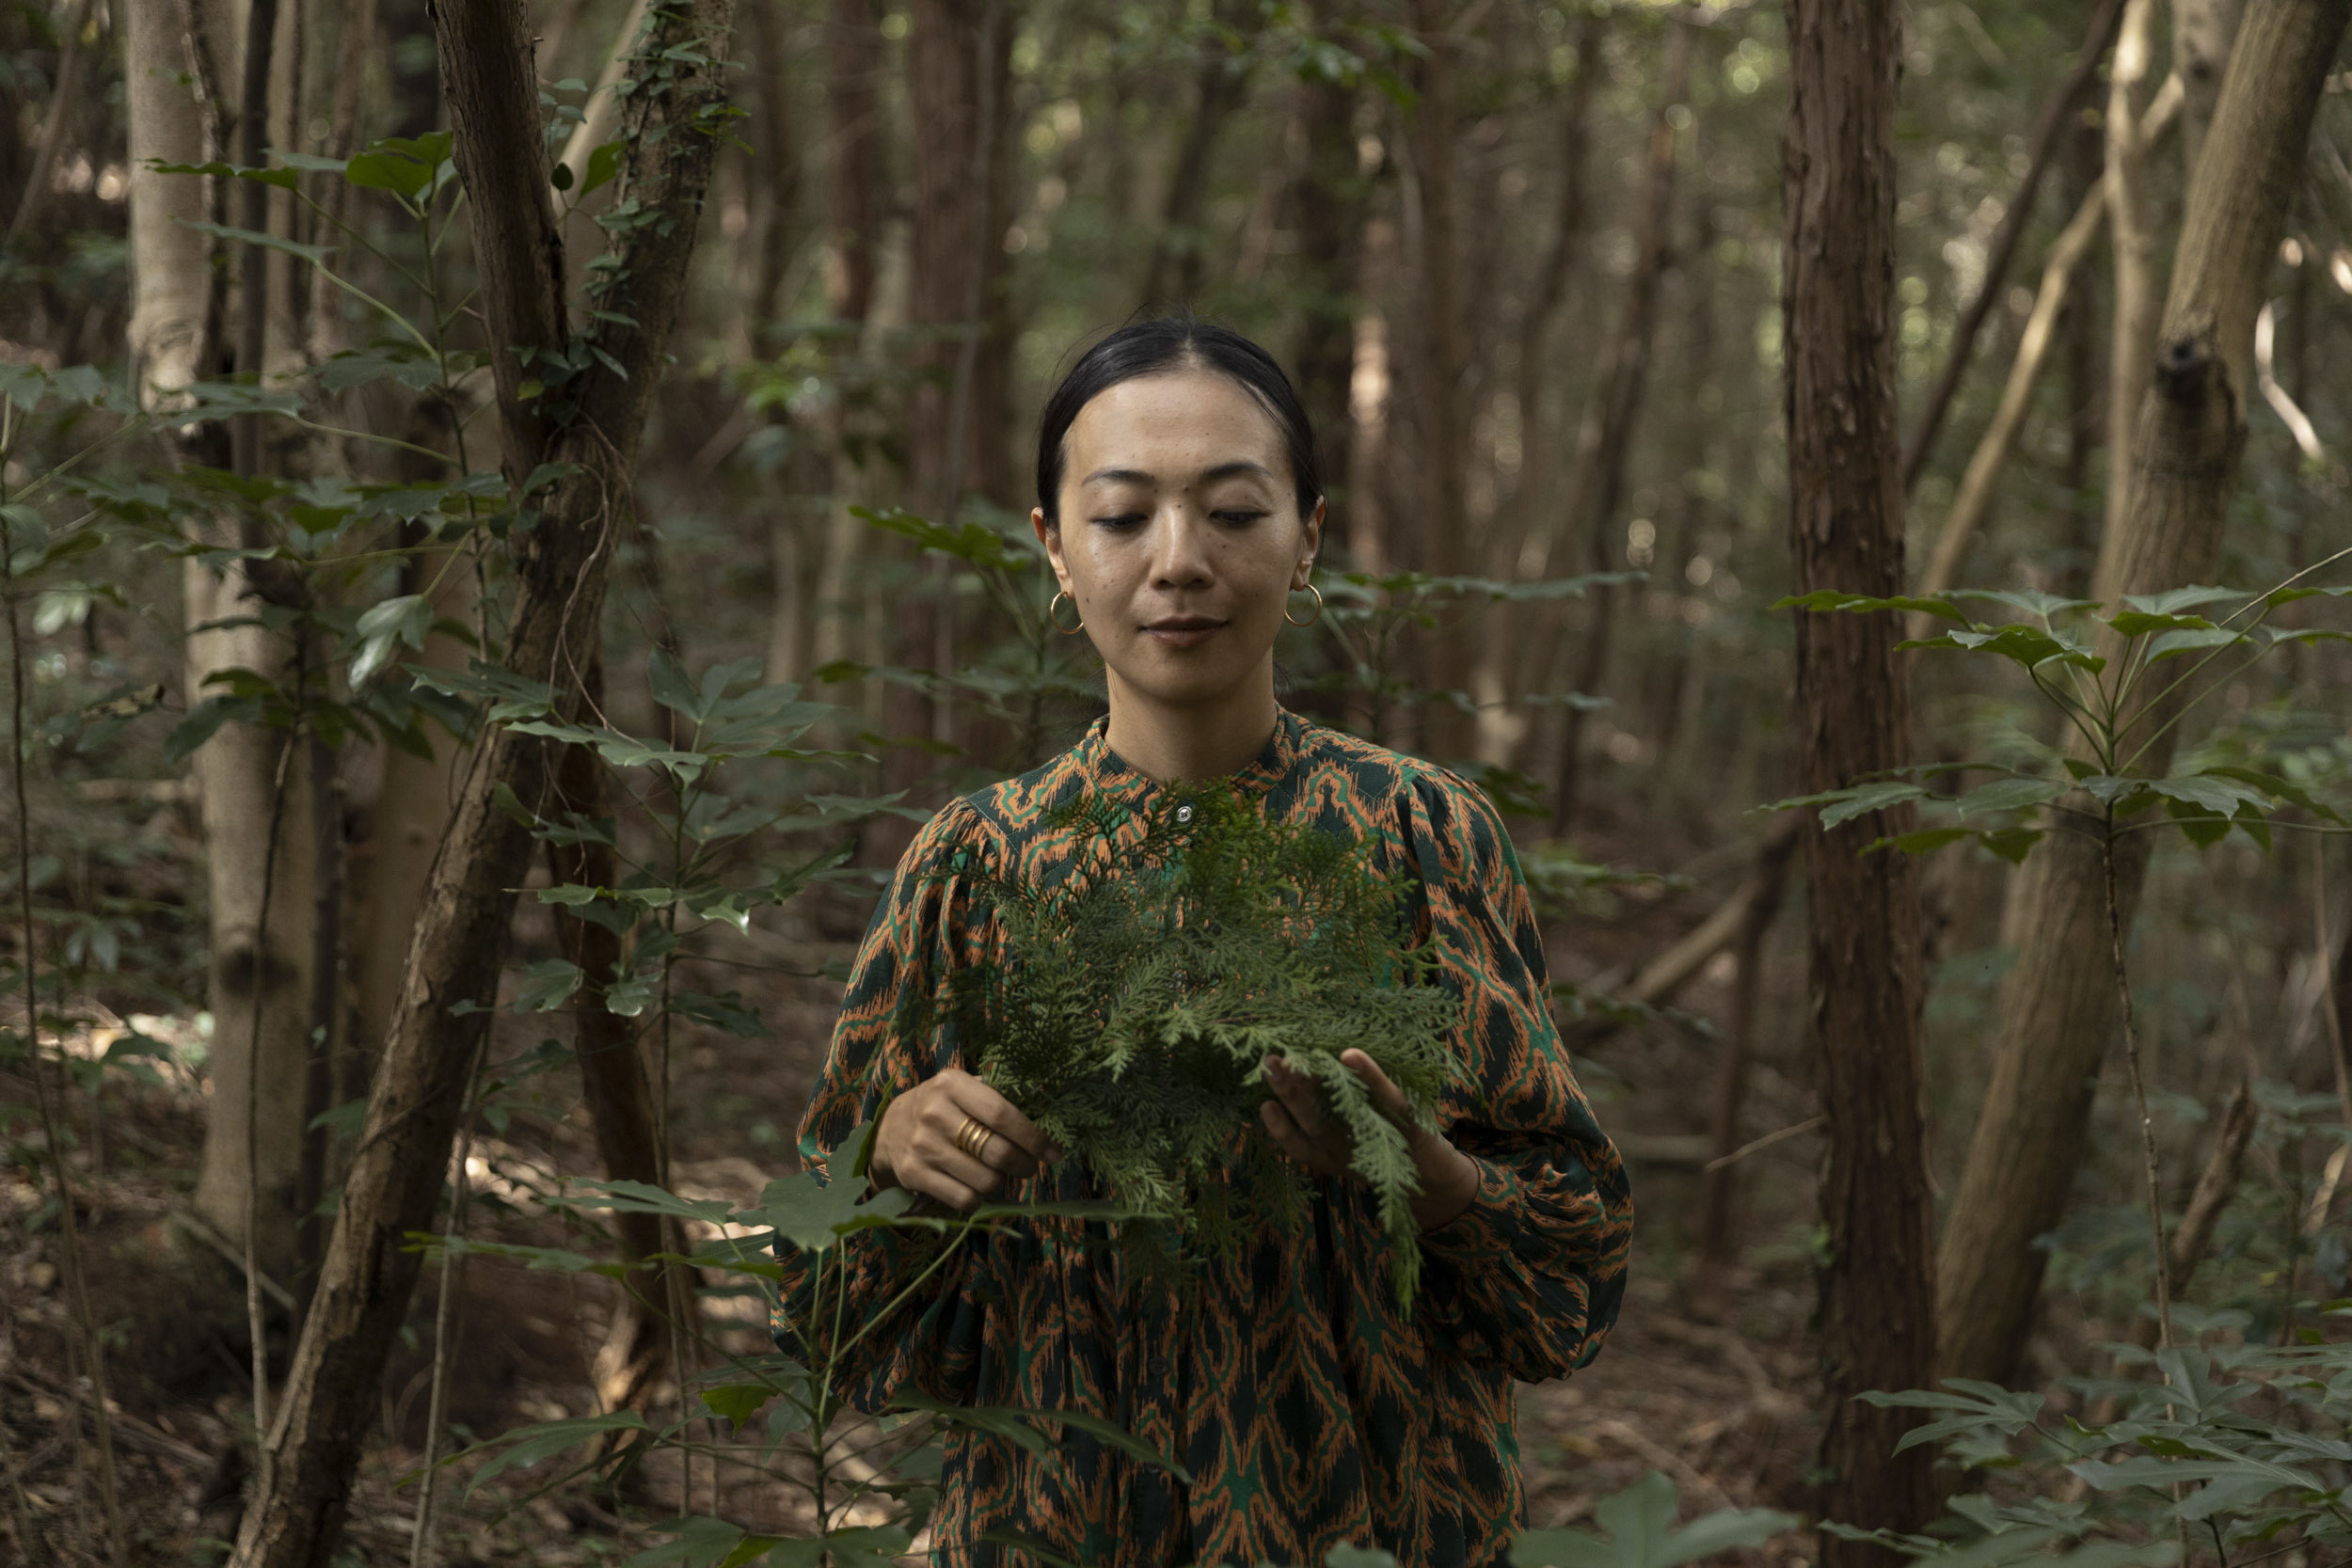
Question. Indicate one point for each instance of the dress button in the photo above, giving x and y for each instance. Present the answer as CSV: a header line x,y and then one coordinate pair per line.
x,y
1159,1366
1183,813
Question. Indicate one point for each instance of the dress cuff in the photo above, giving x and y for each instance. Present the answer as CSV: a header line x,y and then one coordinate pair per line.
x,y
1486,1230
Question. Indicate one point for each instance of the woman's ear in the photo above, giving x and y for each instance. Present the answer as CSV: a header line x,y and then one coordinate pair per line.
x,y
1049,535
1310,541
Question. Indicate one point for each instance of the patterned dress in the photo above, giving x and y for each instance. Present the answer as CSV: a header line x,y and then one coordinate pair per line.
x,y
1306,1409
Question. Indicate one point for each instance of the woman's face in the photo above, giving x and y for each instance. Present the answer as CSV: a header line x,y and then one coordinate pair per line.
x,y
1180,536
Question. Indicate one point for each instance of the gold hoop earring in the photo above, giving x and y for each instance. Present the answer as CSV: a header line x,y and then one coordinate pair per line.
x,y
1312,619
1052,613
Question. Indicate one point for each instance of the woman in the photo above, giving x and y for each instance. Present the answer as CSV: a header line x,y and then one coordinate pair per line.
x,y
1179,503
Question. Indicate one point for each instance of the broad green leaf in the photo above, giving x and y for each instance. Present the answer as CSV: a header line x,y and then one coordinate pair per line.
x,y
1639,1523
673,687
2174,600
2139,623
1867,798
811,1214
314,254
703,1543
604,164
738,1403
2173,644
405,620
546,985
2010,844
2028,646
528,1444
2222,796
2270,784
1831,598
2031,601
2288,595
569,896
2011,795
204,722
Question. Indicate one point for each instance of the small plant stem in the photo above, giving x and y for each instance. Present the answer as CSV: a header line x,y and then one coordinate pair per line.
x,y
421,1549
69,1232
2140,1086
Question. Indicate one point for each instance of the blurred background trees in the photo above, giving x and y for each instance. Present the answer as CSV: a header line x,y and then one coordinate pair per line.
x,y
1527,263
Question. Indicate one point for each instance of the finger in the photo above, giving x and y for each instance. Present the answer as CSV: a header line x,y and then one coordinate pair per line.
x,y
933,1183
971,1098
1299,1094
1315,1154
1384,1091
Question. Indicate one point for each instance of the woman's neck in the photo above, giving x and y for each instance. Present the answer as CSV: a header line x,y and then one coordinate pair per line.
x,y
1189,743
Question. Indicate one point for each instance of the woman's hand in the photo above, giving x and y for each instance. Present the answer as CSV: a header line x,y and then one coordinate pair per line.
x,y
923,1146
1294,1120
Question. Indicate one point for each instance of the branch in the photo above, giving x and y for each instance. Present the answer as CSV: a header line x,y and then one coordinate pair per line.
x,y
2055,114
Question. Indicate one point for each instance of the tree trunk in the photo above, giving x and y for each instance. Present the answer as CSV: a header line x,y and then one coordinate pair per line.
x,y
1327,204
1174,274
1853,711
1625,378
2137,299
621,1111
2202,31
331,1398
2050,134
959,62
1441,413
2057,1006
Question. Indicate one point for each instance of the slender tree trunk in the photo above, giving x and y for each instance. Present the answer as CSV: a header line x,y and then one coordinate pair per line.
x,y
1223,82
2049,139
1853,711
2202,31
959,64
1327,204
1442,365
332,1394
853,198
2078,332
2137,298
630,1140
1623,381
64,105
2057,1006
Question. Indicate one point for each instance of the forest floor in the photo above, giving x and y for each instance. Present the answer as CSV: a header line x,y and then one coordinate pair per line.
x,y
1708,1375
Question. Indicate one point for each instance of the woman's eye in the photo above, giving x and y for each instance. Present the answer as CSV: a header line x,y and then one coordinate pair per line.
x,y
1238,517
1122,520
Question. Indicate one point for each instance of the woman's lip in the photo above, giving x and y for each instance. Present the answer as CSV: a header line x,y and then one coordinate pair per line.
x,y
1183,633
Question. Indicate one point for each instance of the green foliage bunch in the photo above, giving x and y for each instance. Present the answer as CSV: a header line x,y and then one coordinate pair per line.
x,y
1130,1009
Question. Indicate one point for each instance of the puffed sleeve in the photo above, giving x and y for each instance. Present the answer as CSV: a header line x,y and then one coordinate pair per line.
x,y
1530,1278
895,1029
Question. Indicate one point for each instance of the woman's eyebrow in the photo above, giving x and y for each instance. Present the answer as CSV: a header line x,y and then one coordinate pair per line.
x,y
1117,476
1232,469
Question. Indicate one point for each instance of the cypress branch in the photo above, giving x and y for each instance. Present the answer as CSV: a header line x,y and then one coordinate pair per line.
x,y
1133,999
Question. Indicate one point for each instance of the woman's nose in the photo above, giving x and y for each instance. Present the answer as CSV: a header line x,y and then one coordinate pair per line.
x,y
1179,557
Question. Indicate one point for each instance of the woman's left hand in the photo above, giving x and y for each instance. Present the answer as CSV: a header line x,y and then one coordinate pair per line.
x,y
1294,1120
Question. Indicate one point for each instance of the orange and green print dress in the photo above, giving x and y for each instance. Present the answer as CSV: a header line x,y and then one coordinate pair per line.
x,y
1309,1411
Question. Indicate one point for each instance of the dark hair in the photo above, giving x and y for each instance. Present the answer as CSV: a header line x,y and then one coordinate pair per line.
x,y
1173,343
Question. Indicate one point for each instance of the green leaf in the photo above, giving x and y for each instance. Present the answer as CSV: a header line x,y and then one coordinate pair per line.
x,y
738,1403
814,1215
204,722
604,165
401,621
2222,796
282,177
2011,795
1864,799
314,254
528,1444
2270,784
2031,601
1830,598
673,687
704,1543
1639,1522
2028,647
2174,600
2288,595
2173,644
2010,844
2139,623
546,985
402,165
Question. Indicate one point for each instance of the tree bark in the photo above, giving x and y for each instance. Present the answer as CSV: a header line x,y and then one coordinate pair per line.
x,y
1623,381
2202,31
1327,204
1853,712
170,293
2133,346
2057,1006
1441,413
331,1396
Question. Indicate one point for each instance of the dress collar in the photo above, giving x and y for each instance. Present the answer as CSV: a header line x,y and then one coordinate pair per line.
x,y
1110,775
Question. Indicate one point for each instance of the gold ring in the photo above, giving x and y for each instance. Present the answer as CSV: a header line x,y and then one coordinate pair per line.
x,y
973,1136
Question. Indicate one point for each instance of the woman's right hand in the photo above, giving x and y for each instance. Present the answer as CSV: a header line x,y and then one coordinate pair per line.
x,y
916,1147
